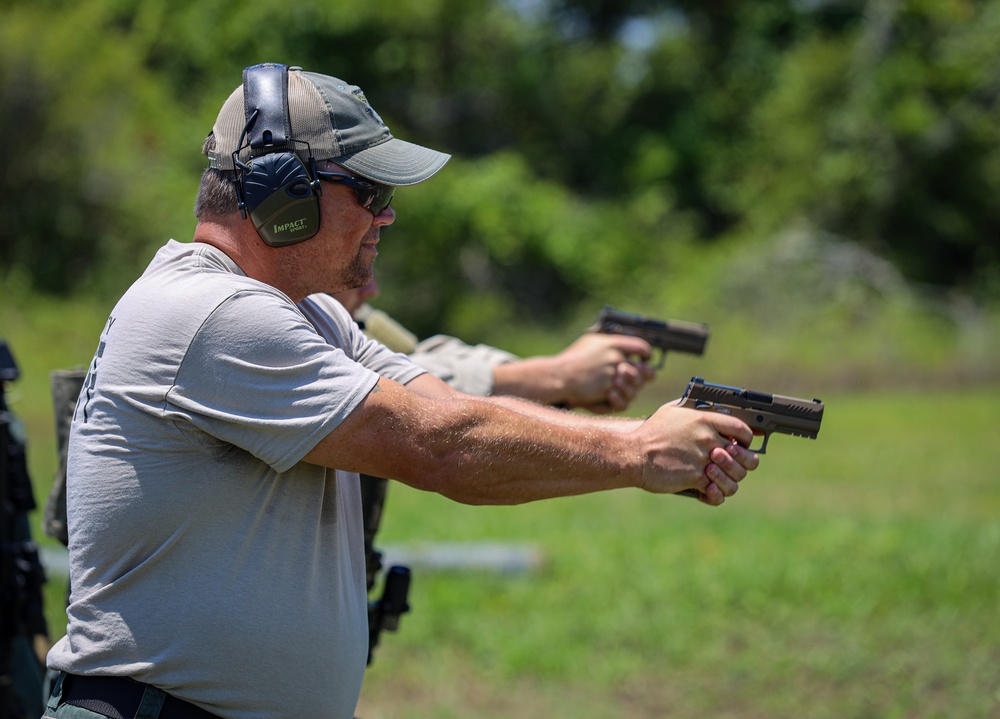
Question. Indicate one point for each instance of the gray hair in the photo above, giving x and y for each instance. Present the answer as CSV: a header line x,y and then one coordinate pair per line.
x,y
217,193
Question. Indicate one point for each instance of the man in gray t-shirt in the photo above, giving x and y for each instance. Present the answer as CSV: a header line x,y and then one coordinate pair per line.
x,y
199,429
215,539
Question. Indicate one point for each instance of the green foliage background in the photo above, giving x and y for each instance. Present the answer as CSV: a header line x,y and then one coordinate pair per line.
x,y
605,151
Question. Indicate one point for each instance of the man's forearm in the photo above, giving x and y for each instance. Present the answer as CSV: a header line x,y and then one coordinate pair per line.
x,y
433,388
536,379
480,451
566,418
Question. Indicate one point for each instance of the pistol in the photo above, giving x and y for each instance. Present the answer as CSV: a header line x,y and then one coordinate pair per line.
x,y
767,413
664,335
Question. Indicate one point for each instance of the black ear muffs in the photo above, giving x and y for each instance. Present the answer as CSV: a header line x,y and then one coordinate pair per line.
x,y
278,194
276,188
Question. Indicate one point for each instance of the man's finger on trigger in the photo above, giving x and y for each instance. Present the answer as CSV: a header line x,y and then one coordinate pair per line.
x,y
732,428
634,346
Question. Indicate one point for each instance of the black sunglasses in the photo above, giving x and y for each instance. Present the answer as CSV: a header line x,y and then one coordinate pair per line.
x,y
373,196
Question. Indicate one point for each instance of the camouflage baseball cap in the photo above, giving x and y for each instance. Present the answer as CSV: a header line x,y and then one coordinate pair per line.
x,y
338,123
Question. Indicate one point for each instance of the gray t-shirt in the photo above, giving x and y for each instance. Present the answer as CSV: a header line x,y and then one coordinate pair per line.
x,y
205,557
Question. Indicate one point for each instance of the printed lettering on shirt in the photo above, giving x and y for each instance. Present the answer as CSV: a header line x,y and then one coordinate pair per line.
x,y
91,380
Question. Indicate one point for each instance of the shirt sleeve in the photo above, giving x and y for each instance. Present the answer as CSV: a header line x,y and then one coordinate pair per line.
x,y
335,325
467,368
258,376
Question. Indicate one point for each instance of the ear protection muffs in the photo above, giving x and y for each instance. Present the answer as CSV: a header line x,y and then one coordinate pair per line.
x,y
275,187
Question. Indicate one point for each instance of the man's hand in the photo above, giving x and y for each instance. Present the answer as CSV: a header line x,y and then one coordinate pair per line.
x,y
686,449
604,373
598,372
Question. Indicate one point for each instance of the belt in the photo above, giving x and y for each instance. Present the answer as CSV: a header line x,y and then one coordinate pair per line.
x,y
119,698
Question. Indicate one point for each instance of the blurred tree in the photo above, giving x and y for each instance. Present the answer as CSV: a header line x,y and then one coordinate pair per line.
x,y
889,135
595,140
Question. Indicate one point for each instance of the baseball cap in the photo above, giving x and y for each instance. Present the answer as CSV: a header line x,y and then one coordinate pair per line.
x,y
339,124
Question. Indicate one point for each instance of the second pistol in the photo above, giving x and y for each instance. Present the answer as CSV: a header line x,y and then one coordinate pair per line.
x,y
664,335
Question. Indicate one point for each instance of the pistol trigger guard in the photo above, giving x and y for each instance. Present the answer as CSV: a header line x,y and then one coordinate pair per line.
x,y
663,360
763,445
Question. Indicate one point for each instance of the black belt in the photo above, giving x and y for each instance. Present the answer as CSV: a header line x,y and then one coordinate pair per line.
x,y
119,698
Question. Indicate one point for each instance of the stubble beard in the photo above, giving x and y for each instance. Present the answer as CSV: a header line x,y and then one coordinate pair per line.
x,y
357,274
304,277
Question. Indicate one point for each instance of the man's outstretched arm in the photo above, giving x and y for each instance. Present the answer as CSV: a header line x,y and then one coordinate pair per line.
x,y
478,451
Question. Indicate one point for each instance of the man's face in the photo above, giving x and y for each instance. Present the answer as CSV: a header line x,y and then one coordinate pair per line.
x,y
341,255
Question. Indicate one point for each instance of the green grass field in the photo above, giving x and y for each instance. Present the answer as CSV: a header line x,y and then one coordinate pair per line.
x,y
854,576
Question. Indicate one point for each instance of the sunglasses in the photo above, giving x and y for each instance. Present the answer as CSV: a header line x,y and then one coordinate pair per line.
x,y
373,196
